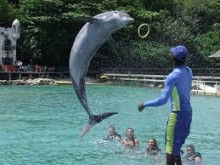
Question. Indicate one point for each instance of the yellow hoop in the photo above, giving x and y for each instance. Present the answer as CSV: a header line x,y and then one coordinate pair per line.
x,y
139,28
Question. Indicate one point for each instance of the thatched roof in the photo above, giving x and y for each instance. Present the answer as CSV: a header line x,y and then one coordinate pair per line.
x,y
216,54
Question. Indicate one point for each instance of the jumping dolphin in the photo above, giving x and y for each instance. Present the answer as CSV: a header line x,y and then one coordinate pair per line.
x,y
93,34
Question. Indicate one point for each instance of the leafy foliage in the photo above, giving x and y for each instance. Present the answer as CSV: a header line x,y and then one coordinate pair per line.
x,y
7,13
49,28
208,43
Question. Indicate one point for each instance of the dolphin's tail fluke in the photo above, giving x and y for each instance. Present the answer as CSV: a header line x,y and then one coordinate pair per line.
x,y
93,120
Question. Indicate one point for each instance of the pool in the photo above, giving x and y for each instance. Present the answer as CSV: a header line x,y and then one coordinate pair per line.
x,y
41,124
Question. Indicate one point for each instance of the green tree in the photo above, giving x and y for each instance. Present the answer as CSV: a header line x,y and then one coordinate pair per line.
x,y
43,33
49,29
7,13
208,43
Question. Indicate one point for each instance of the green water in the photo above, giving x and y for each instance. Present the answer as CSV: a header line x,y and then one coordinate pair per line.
x,y
40,125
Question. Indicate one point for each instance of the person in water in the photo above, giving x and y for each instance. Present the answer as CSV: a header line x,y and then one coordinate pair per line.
x,y
177,88
112,135
192,157
130,141
152,147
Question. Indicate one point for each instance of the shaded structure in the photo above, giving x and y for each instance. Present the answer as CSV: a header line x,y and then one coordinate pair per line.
x,y
215,55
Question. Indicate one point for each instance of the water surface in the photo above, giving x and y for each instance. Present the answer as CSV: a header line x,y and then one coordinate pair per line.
x,y
41,124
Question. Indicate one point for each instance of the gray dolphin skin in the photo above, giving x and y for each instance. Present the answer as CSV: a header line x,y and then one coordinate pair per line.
x,y
93,34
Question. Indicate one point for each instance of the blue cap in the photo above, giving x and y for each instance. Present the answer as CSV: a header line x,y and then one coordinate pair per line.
x,y
179,52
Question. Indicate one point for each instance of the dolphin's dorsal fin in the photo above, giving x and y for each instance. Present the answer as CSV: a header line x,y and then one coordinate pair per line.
x,y
87,19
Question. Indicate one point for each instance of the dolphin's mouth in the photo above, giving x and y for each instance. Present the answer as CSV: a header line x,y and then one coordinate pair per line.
x,y
131,20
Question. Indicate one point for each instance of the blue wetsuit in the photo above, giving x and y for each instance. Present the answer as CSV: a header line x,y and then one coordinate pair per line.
x,y
177,87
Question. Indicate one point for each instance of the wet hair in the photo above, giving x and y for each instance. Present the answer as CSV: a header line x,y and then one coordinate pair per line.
x,y
194,154
111,126
132,130
156,148
113,132
191,146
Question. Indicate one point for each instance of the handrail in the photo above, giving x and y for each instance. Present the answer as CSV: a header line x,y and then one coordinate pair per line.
x,y
162,71
157,78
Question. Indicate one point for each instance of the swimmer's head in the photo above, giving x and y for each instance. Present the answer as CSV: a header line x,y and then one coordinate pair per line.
x,y
190,149
152,143
111,130
130,133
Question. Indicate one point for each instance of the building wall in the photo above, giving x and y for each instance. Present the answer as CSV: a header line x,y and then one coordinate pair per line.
x,y
12,53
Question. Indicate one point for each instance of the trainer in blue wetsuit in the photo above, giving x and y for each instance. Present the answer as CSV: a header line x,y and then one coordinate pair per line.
x,y
178,85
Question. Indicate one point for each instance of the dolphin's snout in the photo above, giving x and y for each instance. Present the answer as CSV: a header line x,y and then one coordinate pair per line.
x,y
131,20
127,19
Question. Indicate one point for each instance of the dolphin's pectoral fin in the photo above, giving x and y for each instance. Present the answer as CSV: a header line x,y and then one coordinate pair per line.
x,y
113,45
93,120
86,19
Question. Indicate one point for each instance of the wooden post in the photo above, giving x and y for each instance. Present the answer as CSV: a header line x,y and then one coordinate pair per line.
x,y
9,76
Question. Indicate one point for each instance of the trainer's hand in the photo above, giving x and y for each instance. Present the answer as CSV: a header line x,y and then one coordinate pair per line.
x,y
140,107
